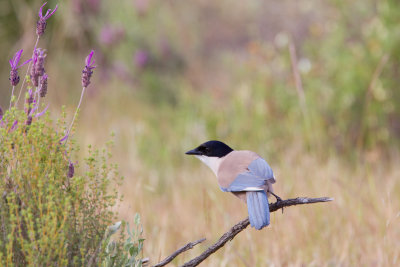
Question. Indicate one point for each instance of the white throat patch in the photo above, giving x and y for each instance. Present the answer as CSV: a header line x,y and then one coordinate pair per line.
x,y
212,162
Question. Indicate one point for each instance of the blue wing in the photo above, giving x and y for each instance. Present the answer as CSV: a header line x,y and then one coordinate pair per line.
x,y
245,181
252,180
261,168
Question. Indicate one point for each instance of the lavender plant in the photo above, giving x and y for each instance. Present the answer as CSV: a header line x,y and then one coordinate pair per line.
x,y
51,214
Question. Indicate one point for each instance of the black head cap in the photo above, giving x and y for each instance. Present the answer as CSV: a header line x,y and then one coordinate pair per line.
x,y
211,149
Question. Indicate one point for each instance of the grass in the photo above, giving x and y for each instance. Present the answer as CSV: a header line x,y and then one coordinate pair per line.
x,y
180,201
358,228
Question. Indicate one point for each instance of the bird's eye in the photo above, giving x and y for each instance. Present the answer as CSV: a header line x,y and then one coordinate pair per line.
x,y
204,149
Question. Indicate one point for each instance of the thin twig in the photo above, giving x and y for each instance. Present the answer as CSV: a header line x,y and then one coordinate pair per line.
x,y
243,224
12,95
37,92
179,251
76,112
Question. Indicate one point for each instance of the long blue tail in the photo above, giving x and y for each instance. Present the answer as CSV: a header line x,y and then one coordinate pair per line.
x,y
258,208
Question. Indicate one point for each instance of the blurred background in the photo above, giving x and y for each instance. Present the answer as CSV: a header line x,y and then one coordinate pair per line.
x,y
312,86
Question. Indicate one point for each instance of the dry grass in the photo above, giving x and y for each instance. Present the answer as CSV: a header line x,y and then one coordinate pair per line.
x,y
359,228
183,203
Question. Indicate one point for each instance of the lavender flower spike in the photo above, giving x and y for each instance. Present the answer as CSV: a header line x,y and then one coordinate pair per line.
x,y
34,77
13,126
14,77
41,24
39,66
71,170
37,69
28,120
43,85
65,137
42,113
87,71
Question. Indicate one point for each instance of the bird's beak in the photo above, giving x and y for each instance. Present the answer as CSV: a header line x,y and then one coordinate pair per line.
x,y
193,152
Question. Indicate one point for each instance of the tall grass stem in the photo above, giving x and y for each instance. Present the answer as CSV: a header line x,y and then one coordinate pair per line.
x,y
309,135
76,112
367,99
12,95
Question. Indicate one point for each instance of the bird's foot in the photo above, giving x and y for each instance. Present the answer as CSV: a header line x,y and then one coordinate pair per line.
x,y
278,199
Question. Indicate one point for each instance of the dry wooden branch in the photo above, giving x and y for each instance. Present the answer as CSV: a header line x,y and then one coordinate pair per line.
x,y
243,224
237,229
179,251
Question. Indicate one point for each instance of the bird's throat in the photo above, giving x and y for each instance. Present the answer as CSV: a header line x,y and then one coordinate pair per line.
x,y
212,162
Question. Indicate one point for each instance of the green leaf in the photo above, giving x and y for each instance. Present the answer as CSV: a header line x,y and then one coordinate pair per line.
x,y
137,219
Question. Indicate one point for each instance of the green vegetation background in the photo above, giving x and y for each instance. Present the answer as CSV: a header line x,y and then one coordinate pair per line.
x,y
172,74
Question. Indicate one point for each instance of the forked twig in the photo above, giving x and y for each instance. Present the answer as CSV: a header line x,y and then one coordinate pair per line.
x,y
236,230
179,251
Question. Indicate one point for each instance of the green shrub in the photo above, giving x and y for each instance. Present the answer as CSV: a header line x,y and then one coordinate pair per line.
x,y
50,216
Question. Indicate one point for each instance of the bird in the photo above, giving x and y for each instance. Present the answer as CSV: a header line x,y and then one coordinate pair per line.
x,y
243,173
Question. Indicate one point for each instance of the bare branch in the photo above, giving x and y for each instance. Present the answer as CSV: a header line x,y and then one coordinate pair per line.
x,y
243,224
297,201
179,251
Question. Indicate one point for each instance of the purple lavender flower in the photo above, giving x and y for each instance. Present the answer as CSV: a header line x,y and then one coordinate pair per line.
x,y
37,69
41,24
71,170
87,71
41,113
29,120
34,77
1,113
14,77
65,137
43,85
35,80
29,100
13,126
35,107
39,66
